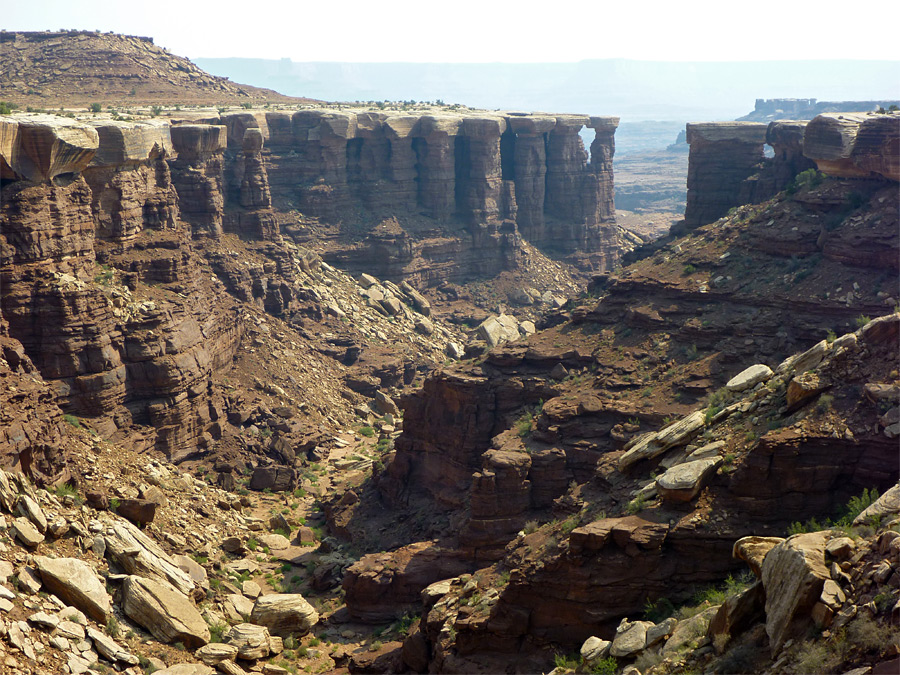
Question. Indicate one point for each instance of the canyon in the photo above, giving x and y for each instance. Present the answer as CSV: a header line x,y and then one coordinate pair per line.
x,y
388,389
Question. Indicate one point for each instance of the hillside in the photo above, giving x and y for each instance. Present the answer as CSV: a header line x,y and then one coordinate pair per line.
x,y
77,68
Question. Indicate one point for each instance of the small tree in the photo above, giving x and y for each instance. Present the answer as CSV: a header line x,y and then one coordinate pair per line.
x,y
95,107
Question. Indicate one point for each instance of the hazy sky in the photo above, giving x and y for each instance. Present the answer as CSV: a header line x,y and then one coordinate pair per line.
x,y
483,30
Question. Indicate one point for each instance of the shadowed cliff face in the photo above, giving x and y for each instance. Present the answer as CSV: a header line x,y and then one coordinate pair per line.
x,y
78,198
460,173
727,167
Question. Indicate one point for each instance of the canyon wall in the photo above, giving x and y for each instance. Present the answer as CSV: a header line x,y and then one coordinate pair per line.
x,y
479,178
727,166
101,284
112,274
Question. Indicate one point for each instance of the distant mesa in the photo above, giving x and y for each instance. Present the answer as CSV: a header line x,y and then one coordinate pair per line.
x,y
769,109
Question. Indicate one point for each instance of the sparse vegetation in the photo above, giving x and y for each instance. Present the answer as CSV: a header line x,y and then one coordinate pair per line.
x,y
72,420
367,431
636,505
524,424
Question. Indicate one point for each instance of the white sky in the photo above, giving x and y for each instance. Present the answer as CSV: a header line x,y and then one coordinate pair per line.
x,y
484,30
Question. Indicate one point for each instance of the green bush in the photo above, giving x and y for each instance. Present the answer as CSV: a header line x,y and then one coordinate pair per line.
x,y
368,432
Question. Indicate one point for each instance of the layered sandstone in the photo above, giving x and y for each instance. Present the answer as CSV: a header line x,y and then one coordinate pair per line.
x,y
855,145
723,156
472,168
109,356
198,175
727,167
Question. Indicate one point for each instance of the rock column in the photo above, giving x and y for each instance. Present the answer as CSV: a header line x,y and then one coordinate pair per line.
x,y
786,139
602,187
723,155
199,177
530,172
478,174
435,147
566,168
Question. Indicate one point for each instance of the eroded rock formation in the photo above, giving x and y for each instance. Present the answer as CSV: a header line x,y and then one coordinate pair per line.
x,y
81,195
477,170
727,166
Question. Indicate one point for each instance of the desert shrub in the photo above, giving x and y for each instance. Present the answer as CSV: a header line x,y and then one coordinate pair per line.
x,y
524,424
368,432
607,666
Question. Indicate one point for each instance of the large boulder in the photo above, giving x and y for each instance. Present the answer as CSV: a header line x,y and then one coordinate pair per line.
x,y
753,551
77,583
684,481
284,614
138,554
496,330
276,478
749,377
252,641
793,575
631,638
887,505
163,610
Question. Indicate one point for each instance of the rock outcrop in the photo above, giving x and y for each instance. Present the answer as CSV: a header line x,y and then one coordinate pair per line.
x,y
855,145
723,156
477,168
727,167
77,198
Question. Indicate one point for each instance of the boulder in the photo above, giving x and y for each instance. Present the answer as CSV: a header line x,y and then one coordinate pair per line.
x,y
186,669
30,509
738,613
138,511
753,550
77,583
594,649
631,638
749,377
496,330
385,404
277,478
109,648
193,569
805,387
661,630
683,482
216,652
163,610
887,505
275,542
252,641
689,633
137,554
26,532
793,575
284,614
237,607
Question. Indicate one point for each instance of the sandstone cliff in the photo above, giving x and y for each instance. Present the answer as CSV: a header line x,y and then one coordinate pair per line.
x,y
727,167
